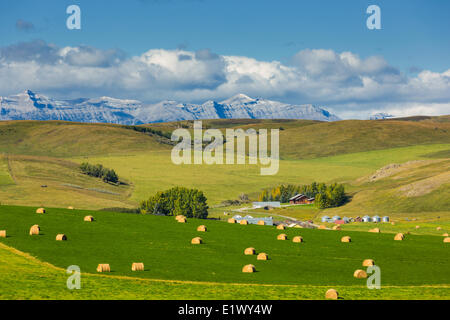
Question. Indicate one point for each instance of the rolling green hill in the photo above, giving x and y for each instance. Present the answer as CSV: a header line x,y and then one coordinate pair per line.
x,y
68,139
33,180
299,139
414,187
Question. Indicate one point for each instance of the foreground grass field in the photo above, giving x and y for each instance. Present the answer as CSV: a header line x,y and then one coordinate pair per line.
x,y
120,239
412,269
25,277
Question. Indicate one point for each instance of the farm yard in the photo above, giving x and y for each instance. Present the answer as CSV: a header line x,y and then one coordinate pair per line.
x,y
39,167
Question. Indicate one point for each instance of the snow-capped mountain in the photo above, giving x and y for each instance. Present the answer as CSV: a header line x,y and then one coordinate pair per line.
x,y
31,106
381,116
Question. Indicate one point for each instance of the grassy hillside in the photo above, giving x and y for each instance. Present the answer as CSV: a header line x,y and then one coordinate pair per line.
x,y
299,139
326,139
67,139
413,187
149,172
44,181
153,171
417,189
5,177
306,139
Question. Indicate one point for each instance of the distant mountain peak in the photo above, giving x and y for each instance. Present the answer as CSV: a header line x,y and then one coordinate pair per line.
x,y
237,99
29,105
381,116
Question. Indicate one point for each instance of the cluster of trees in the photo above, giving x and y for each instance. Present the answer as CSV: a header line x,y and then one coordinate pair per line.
x,y
98,171
177,201
326,196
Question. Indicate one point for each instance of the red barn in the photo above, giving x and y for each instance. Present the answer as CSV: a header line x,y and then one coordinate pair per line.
x,y
301,199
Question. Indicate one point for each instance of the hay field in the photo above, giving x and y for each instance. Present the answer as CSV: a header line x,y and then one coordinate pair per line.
x,y
321,260
25,277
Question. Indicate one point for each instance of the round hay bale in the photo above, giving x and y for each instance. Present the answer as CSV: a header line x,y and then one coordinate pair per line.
x,y
297,239
88,218
399,237
201,228
61,237
368,263
243,222
249,251
321,227
281,227
34,230
248,268
337,227
197,240
417,227
346,239
438,228
104,267
180,216
447,240
262,256
70,208
375,230
231,220
393,223
137,266
40,210
360,274
332,294
181,220
2,233
282,237
445,235
261,223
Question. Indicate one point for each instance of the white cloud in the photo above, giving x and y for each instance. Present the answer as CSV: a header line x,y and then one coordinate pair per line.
x,y
342,82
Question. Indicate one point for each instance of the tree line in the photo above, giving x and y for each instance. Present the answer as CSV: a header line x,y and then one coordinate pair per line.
x,y
177,201
141,129
98,171
326,196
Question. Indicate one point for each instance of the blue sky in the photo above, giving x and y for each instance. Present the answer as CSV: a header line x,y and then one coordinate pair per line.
x,y
415,32
414,38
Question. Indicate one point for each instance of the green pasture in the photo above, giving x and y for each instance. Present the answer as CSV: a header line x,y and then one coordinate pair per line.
x,y
164,246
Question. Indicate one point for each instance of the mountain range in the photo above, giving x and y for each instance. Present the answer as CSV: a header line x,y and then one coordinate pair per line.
x,y
32,106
